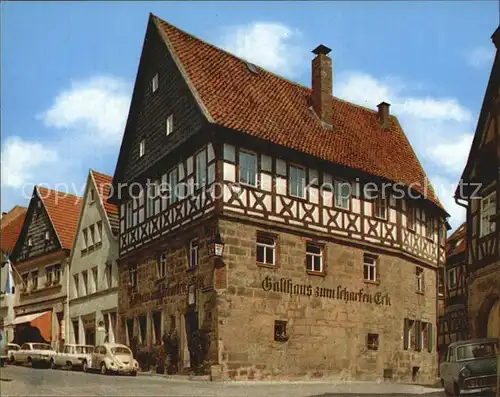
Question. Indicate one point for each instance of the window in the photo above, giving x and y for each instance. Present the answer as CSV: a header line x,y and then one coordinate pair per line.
x,y
408,341
133,276
172,181
380,207
34,279
370,267
280,334
161,265
429,227
92,195
99,232
193,253
49,275
84,239
169,124
142,328
142,148
314,257
85,282
411,215
75,281
95,277
441,282
129,324
372,342
154,83
419,273
108,275
342,194
266,249
297,181
487,212
129,213
56,269
191,295
201,169
25,280
248,168
452,278
157,316
47,235
92,235
30,242
150,204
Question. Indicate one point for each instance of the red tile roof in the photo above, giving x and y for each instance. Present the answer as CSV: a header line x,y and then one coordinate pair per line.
x,y
63,210
103,184
13,213
11,230
458,236
270,107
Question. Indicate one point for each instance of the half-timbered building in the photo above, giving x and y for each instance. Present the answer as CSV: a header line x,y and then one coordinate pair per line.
x,y
453,324
479,191
93,281
40,259
318,277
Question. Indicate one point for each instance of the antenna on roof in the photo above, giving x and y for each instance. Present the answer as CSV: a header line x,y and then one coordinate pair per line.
x,y
251,67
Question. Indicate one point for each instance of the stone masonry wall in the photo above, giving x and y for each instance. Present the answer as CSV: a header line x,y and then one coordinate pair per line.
x,y
327,336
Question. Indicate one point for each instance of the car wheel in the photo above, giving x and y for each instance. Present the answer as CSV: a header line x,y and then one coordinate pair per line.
x,y
12,360
29,362
133,373
104,370
69,365
52,364
84,366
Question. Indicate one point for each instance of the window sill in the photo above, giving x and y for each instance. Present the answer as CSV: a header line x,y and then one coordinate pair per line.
x,y
420,292
379,218
191,269
373,282
315,273
266,265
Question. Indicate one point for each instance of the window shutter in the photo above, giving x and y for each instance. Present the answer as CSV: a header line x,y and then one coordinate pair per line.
x,y
429,337
406,342
418,335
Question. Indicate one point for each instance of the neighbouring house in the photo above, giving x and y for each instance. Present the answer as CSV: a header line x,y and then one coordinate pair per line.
x,y
11,225
318,277
479,192
453,324
93,284
40,258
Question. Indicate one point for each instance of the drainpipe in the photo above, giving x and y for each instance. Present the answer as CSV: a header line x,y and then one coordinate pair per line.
x,y
66,321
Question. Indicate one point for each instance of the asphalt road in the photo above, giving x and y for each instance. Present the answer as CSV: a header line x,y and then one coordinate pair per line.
x,y
46,382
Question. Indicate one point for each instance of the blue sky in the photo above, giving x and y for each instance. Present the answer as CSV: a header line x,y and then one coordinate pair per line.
x,y
68,71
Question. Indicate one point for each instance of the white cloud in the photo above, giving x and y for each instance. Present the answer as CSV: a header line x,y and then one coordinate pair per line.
x,y
21,160
97,106
430,123
453,155
481,57
267,44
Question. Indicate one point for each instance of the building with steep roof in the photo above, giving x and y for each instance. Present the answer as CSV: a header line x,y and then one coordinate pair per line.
x,y
93,281
40,258
319,276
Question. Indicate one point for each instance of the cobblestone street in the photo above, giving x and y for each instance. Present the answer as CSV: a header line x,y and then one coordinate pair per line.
x,y
17,381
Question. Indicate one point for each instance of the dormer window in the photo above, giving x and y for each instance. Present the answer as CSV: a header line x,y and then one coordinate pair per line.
x,y
410,216
297,181
142,148
342,194
154,83
169,124
380,208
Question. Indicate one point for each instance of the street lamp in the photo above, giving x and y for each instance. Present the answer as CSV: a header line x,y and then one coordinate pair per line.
x,y
216,247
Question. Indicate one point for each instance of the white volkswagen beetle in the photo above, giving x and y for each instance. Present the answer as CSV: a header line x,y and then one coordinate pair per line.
x,y
113,358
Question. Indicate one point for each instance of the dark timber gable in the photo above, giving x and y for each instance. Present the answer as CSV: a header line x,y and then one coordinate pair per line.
x,y
36,223
149,110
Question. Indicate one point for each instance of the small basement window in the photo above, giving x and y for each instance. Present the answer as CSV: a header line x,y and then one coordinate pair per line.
x,y
280,334
372,342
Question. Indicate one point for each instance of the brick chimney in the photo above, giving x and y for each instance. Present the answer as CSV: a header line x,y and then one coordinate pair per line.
x,y
383,113
322,85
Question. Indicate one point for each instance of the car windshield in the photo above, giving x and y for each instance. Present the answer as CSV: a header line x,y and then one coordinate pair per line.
x,y
41,346
120,350
476,350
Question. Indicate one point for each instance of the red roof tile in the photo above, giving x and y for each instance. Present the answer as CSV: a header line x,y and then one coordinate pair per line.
x,y
270,107
13,213
458,236
103,184
63,210
11,230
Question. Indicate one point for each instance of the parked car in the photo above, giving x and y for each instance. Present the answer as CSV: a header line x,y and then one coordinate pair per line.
x,y
73,356
113,358
470,367
10,349
33,353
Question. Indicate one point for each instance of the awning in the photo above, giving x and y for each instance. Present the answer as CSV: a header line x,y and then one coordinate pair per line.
x,y
27,318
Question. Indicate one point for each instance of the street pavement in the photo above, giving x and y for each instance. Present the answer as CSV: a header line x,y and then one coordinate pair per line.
x,y
16,381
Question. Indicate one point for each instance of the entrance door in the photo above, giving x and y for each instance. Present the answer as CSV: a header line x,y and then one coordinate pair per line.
x,y
494,321
90,336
